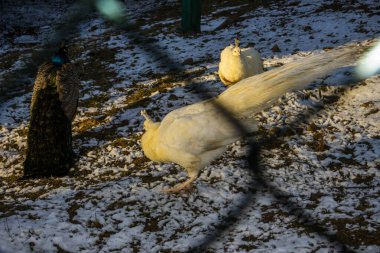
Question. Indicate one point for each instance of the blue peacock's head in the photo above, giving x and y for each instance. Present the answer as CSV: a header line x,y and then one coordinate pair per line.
x,y
57,60
60,57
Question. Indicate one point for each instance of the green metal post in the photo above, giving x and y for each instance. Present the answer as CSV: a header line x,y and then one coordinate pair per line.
x,y
191,15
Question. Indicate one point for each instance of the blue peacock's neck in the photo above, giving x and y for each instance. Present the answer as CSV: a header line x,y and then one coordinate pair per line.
x,y
60,57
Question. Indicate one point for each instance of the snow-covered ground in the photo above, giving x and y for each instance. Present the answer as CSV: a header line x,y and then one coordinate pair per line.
x,y
328,164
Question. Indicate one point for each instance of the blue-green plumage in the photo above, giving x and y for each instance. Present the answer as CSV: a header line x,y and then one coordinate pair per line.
x,y
54,103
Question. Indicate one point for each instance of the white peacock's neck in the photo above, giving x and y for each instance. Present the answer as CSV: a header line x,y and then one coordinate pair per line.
x,y
149,144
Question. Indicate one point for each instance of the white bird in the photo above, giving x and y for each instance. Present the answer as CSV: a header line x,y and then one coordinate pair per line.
x,y
193,136
237,64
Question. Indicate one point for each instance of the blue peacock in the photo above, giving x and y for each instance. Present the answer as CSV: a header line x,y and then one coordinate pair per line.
x,y
53,107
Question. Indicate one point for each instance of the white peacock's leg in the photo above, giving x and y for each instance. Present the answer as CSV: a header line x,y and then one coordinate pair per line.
x,y
181,186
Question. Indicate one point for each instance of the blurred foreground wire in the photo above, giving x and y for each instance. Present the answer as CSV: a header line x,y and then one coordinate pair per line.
x,y
258,180
113,10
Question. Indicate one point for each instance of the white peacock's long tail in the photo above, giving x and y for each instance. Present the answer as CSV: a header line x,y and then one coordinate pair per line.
x,y
258,92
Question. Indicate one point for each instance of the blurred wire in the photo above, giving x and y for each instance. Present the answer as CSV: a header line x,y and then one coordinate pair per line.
x,y
369,64
253,159
260,183
16,81
114,11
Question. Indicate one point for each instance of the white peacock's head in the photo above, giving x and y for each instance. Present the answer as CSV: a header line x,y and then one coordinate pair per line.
x,y
236,51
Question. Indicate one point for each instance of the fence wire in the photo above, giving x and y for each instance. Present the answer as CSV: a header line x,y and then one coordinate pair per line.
x,y
81,12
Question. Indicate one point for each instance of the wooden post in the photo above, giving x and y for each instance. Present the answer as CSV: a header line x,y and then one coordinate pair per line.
x,y
191,16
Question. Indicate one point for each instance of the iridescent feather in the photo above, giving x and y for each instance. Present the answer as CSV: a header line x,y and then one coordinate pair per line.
x,y
66,82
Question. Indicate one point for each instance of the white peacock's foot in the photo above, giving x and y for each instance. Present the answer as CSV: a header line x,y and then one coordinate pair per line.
x,y
188,188
185,186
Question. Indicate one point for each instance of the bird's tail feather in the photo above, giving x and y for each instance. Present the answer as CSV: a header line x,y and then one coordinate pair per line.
x,y
258,92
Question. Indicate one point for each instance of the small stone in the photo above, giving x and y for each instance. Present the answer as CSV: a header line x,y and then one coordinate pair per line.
x,y
307,28
276,49
188,61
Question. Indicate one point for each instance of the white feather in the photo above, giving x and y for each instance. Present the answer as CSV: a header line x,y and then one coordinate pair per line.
x,y
237,64
195,135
